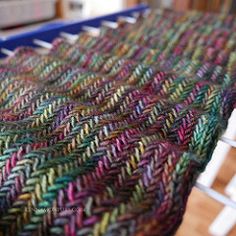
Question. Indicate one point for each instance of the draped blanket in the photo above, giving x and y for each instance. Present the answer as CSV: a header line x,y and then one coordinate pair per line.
x,y
107,136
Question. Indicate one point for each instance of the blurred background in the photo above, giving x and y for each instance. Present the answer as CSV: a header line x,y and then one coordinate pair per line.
x,y
18,13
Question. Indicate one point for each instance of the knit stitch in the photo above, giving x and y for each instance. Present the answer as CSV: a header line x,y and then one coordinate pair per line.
x,y
108,136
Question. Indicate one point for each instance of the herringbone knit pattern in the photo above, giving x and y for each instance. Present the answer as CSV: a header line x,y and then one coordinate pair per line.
x,y
107,136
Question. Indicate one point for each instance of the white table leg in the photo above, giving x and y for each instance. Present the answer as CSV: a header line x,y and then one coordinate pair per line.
x,y
226,220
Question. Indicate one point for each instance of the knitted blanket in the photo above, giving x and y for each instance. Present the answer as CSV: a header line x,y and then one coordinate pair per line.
x,y
107,136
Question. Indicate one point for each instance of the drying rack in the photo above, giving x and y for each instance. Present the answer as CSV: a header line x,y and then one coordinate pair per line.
x,y
45,34
42,38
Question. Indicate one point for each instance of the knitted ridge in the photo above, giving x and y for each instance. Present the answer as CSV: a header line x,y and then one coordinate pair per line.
x,y
108,136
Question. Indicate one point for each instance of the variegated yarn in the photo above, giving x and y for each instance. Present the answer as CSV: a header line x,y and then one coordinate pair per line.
x,y
107,136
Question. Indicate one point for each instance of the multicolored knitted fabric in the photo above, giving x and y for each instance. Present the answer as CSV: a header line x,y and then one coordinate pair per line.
x,y
107,136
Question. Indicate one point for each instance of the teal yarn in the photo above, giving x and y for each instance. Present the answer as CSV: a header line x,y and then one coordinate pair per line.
x,y
108,136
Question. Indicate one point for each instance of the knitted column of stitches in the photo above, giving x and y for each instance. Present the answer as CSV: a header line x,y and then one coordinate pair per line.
x,y
107,136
